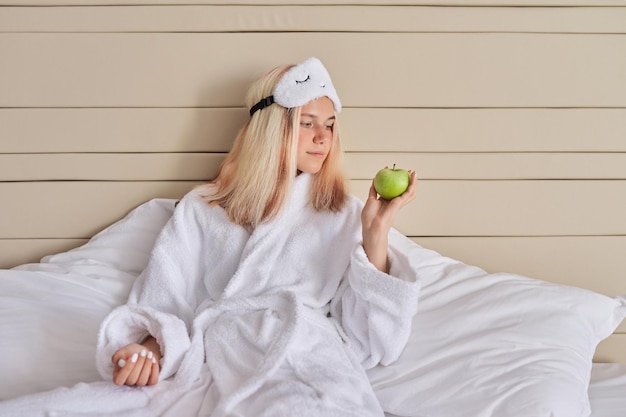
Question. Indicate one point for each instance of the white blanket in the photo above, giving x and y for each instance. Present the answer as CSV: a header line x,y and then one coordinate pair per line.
x,y
282,321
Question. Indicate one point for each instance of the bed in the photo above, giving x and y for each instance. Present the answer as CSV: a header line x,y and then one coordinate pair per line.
x,y
513,118
482,344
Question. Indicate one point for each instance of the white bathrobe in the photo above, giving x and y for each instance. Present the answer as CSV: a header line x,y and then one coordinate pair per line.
x,y
282,321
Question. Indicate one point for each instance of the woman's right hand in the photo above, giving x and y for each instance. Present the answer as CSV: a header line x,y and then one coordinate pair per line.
x,y
136,364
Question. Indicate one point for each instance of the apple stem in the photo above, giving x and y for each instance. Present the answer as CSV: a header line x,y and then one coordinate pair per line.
x,y
394,167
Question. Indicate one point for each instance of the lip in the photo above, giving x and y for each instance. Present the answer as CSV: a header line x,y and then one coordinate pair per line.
x,y
317,154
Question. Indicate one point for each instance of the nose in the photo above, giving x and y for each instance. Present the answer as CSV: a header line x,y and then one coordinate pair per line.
x,y
321,135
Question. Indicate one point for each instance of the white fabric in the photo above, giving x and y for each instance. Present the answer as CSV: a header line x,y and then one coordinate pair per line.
x,y
305,82
50,312
256,305
496,345
607,390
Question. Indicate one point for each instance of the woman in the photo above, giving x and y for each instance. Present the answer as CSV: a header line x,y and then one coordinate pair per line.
x,y
271,284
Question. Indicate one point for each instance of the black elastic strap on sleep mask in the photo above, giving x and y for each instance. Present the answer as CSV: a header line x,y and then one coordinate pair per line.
x,y
263,103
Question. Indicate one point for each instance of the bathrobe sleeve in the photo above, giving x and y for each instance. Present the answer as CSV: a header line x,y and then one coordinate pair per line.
x,y
376,309
164,296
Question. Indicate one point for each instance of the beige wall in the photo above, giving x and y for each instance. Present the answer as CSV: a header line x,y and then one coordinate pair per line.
x,y
513,117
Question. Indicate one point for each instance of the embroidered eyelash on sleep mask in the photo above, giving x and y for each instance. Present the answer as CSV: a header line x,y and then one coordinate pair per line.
x,y
299,85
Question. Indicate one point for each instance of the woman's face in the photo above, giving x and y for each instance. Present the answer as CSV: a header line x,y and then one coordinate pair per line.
x,y
316,134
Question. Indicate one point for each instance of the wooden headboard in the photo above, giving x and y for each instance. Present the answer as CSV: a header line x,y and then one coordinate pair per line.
x,y
513,117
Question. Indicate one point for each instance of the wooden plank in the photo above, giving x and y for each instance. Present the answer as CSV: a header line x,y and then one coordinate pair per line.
x,y
14,252
198,70
360,165
484,130
307,18
512,208
492,166
612,349
119,129
363,129
78,209
109,167
523,3
593,262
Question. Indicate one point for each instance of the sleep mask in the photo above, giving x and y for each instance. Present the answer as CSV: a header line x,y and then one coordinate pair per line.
x,y
299,85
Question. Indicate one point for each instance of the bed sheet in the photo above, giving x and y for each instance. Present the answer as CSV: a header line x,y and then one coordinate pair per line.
x,y
607,390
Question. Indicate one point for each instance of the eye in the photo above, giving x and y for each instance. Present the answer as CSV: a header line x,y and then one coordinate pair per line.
x,y
330,127
306,124
308,77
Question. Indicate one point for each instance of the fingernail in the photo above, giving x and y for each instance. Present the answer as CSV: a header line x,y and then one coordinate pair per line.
x,y
153,360
121,363
134,358
150,355
143,353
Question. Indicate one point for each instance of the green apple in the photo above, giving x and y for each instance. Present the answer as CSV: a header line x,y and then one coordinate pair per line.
x,y
390,183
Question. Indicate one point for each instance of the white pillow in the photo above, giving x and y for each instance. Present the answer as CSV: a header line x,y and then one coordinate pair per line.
x,y
497,345
50,312
126,244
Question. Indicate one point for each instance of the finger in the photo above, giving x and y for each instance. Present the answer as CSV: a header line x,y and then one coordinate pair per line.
x,y
116,371
411,190
123,353
412,183
117,357
144,376
120,377
135,373
154,375
372,193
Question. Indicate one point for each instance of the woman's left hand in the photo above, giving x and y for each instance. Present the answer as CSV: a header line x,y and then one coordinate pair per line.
x,y
378,216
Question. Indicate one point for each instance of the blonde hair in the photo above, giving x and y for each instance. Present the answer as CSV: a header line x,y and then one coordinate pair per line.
x,y
254,180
